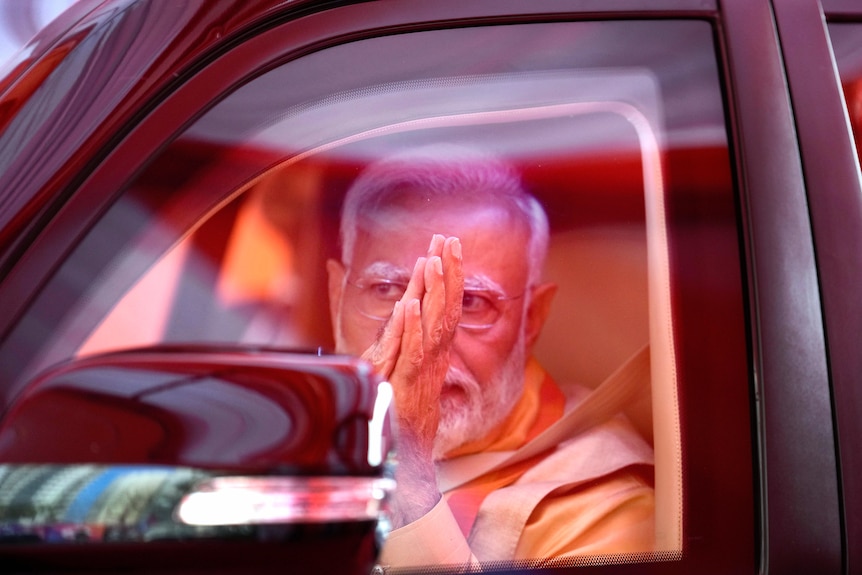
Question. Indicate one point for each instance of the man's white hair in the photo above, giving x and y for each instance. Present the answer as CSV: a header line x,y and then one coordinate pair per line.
x,y
444,172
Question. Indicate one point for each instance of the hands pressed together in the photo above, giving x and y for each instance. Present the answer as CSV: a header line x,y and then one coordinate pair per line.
x,y
412,352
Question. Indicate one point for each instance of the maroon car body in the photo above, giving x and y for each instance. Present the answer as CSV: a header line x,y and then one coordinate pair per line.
x,y
771,401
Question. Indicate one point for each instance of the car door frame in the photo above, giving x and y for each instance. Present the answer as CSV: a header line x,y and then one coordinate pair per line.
x,y
796,464
834,193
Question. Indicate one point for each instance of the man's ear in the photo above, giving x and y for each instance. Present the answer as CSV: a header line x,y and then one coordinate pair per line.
x,y
335,270
537,312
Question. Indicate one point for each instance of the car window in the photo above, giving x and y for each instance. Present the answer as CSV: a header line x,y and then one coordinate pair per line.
x,y
617,129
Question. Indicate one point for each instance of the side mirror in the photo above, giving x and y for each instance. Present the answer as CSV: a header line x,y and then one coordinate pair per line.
x,y
173,444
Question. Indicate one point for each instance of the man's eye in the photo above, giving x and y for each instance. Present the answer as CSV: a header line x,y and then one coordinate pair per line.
x,y
474,303
386,291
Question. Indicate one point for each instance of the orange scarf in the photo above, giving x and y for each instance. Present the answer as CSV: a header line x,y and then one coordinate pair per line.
x,y
541,404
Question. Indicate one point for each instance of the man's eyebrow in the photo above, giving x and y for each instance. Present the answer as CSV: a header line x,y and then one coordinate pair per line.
x,y
396,273
386,270
482,283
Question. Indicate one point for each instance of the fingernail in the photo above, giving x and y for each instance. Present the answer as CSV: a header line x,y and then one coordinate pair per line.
x,y
438,265
435,240
455,246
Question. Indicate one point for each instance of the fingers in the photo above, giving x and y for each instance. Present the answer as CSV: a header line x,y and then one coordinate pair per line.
x,y
424,323
424,320
453,280
383,353
417,384
416,285
411,348
400,344
444,289
434,303
436,246
437,283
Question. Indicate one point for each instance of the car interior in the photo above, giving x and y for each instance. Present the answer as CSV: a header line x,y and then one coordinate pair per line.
x,y
253,272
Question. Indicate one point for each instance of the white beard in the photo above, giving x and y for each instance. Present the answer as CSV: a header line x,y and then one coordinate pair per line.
x,y
474,413
481,407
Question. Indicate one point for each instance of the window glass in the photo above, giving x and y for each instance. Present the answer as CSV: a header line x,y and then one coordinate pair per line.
x,y
616,130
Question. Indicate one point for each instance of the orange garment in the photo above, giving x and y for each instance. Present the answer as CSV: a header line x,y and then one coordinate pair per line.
x,y
590,496
541,404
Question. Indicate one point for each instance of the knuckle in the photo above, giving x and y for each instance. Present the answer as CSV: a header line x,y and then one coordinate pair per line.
x,y
416,358
436,335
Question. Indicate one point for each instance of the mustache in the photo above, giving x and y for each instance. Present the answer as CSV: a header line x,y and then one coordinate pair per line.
x,y
457,377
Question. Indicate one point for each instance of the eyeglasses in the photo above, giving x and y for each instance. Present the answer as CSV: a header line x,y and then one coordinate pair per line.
x,y
480,308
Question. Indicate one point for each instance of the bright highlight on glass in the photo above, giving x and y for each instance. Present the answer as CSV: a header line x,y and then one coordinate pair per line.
x,y
376,442
262,500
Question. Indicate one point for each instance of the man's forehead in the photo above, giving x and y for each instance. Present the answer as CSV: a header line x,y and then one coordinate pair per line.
x,y
418,206
494,241
464,218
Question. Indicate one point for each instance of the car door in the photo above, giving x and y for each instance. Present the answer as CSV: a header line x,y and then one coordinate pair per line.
x,y
660,138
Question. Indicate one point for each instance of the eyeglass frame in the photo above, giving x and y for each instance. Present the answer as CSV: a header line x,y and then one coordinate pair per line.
x,y
494,297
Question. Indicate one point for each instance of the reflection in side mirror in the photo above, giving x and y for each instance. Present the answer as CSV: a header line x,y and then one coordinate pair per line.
x,y
167,444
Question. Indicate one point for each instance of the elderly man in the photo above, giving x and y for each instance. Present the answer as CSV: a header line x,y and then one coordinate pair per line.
x,y
439,287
